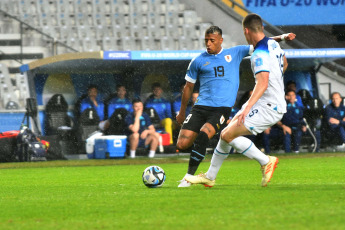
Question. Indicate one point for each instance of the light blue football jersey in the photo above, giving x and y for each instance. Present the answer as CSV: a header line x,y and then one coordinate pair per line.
x,y
218,75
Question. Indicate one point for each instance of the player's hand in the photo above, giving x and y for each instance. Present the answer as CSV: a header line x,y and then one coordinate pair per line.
x,y
139,112
286,129
290,37
242,116
334,121
180,118
267,131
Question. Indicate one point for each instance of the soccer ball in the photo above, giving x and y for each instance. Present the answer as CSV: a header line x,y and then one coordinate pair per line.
x,y
153,176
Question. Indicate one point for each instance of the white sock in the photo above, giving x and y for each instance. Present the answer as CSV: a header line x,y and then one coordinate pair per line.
x,y
132,153
221,152
246,147
152,153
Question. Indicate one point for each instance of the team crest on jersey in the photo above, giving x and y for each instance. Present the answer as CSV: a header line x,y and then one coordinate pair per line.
x,y
222,119
228,58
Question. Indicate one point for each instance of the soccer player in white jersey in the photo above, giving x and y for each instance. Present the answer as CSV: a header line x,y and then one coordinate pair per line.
x,y
265,107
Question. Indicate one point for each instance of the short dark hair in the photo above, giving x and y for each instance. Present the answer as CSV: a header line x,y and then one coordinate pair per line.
x,y
290,90
136,100
92,86
335,93
290,82
155,85
253,22
214,30
119,86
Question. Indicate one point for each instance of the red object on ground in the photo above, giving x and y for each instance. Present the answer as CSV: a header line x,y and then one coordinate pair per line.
x,y
165,138
9,134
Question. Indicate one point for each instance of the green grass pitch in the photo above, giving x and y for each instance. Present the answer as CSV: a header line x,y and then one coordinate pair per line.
x,y
307,191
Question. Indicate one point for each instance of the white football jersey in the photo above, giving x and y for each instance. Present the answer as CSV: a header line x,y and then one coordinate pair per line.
x,y
268,57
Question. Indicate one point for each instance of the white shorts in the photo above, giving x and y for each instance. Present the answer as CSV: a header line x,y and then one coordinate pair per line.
x,y
261,117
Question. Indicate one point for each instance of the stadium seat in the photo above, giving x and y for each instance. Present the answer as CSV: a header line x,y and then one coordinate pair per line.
x,y
148,43
117,122
189,31
81,6
84,31
43,7
128,43
137,31
22,86
25,7
185,43
73,42
173,31
155,120
87,124
56,115
100,19
100,6
172,18
101,32
138,6
167,43
89,44
190,17
155,19
172,5
63,19
65,32
6,87
12,105
118,19
81,19
109,43
64,6
155,6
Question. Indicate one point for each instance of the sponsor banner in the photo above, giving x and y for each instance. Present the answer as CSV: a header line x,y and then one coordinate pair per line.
x,y
315,53
298,12
117,55
165,55
188,55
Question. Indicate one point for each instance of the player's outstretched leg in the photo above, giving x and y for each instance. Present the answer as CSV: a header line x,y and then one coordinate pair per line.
x,y
221,152
197,155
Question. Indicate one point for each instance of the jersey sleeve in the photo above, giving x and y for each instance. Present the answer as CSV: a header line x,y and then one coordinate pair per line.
x,y
245,50
260,62
192,71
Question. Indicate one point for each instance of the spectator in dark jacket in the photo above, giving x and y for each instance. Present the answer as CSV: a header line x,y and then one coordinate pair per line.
x,y
335,117
292,123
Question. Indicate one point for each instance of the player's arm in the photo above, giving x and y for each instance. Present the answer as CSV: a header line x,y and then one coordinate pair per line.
x,y
186,95
151,129
284,37
259,89
286,129
136,125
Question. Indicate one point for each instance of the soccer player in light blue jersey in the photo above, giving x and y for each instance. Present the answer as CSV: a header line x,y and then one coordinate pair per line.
x,y
265,107
217,69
